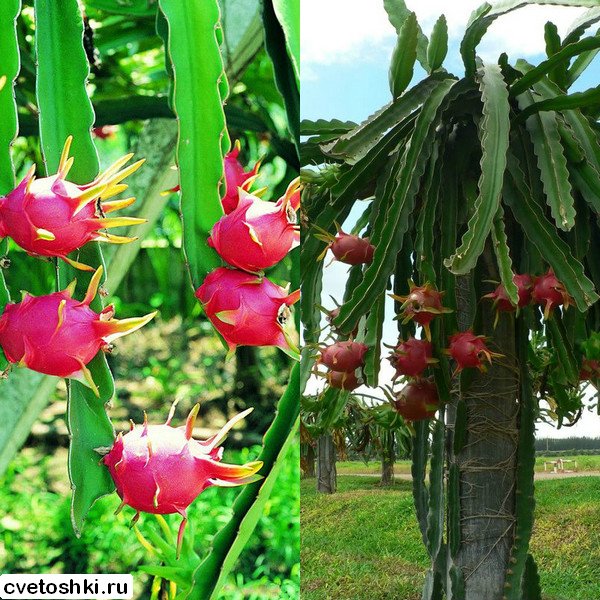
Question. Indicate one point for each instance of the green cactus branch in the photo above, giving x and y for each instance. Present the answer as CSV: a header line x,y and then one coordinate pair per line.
x,y
62,72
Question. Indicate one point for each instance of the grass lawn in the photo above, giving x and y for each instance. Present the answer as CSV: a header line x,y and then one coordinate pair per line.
x,y
356,467
363,542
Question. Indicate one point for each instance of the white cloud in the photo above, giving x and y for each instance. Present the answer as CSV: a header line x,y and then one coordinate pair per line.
x,y
346,31
334,31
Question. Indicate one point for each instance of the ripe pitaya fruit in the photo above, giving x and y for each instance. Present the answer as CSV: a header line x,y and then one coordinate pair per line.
x,y
412,357
53,217
501,299
248,310
58,335
550,293
470,351
105,132
422,305
590,370
344,356
343,381
162,469
352,249
256,235
235,178
331,315
417,400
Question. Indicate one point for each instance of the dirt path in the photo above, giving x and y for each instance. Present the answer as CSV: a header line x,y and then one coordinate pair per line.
x,y
538,476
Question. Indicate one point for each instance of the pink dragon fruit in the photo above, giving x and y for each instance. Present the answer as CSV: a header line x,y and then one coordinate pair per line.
x,y
352,249
58,335
105,132
412,357
590,370
53,217
345,357
549,292
162,469
422,305
418,400
248,310
501,300
470,351
256,235
343,381
235,178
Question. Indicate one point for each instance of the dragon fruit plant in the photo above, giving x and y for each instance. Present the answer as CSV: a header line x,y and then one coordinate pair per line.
x,y
53,217
59,335
470,175
162,469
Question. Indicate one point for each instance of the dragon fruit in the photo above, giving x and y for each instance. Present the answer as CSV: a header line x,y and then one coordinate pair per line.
x,y
235,179
549,292
422,305
344,356
248,310
590,370
502,302
352,249
58,335
105,132
417,400
333,314
162,469
412,357
343,381
53,217
256,235
470,351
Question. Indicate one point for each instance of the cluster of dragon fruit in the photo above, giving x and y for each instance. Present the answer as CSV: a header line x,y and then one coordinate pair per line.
x,y
155,468
413,358
243,305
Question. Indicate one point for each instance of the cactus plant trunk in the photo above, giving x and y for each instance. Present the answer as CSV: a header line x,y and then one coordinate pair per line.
x,y
308,462
326,471
388,456
487,460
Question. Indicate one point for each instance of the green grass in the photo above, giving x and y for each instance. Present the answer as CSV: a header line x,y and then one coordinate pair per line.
x,y
36,535
359,467
363,542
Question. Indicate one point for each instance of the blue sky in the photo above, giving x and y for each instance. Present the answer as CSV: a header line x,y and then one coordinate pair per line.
x,y
346,46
